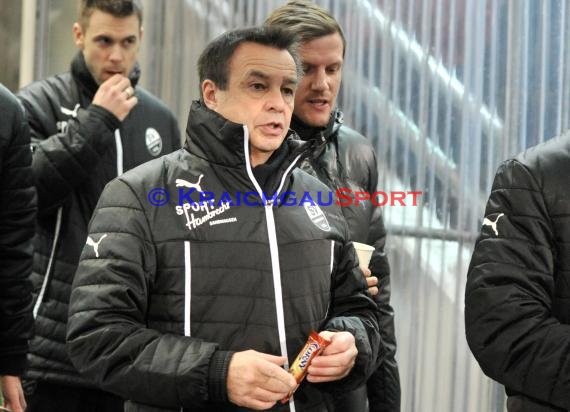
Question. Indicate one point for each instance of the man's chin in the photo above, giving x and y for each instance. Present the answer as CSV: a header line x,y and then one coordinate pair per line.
x,y
315,121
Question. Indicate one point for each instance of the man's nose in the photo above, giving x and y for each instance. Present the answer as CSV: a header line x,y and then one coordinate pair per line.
x,y
276,101
117,53
319,81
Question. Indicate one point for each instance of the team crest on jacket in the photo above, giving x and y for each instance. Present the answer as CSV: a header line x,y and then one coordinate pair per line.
x,y
153,141
317,217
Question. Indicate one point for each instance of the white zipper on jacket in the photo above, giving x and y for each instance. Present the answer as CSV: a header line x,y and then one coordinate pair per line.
x,y
331,271
187,290
119,145
274,250
187,287
50,262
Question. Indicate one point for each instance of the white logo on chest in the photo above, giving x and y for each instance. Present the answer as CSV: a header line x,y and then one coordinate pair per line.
x,y
185,183
70,112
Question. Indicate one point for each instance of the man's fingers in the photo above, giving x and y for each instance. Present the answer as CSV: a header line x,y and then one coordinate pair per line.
x,y
372,281
278,360
114,80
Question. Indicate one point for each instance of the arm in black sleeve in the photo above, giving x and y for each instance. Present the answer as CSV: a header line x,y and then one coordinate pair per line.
x,y
384,384
353,310
64,159
509,313
108,338
17,225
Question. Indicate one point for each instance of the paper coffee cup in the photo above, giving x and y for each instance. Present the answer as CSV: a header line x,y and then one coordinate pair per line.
x,y
364,253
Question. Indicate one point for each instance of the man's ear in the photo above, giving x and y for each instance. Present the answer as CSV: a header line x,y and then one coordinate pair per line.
x,y
78,36
210,94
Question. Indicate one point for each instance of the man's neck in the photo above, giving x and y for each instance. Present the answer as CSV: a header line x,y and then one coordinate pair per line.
x,y
257,158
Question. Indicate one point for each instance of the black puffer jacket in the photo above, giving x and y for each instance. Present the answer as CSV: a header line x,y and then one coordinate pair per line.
x,y
517,302
17,223
343,158
208,272
75,155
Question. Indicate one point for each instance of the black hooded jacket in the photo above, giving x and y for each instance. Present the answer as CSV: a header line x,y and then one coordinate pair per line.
x,y
517,299
78,148
176,286
17,222
344,159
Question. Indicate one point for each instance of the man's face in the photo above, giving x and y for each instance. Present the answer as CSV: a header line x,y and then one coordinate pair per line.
x,y
260,94
318,89
110,44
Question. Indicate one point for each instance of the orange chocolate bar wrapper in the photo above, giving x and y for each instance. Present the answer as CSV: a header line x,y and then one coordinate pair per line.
x,y
314,346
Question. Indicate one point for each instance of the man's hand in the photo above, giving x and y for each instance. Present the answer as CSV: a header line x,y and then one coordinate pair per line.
x,y
116,95
371,281
336,360
13,393
257,380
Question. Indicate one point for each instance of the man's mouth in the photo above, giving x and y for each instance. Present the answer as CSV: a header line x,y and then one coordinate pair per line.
x,y
273,128
319,103
113,72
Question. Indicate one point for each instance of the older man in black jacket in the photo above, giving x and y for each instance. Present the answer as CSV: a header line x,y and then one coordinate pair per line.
x,y
17,224
179,303
517,300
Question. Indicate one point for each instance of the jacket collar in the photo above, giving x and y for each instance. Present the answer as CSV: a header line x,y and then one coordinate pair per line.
x,y
84,79
220,141
318,134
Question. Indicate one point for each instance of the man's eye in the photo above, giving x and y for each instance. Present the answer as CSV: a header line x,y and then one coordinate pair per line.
x,y
288,91
103,41
258,86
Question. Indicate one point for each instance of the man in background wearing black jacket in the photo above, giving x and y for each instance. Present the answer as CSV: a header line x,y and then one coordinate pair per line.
x,y
17,223
342,158
517,298
88,125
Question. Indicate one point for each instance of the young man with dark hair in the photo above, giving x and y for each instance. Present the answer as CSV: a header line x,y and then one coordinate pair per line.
x,y
17,223
88,125
185,304
342,158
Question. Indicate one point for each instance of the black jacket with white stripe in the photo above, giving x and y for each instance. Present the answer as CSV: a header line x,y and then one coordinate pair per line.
x,y
173,290
517,302
78,148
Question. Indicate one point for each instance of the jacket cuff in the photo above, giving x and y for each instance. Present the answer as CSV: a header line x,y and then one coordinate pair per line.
x,y
110,120
98,125
13,364
218,376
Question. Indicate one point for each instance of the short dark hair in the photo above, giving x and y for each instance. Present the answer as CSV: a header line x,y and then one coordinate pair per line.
x,y
116,8
213,63
306,20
